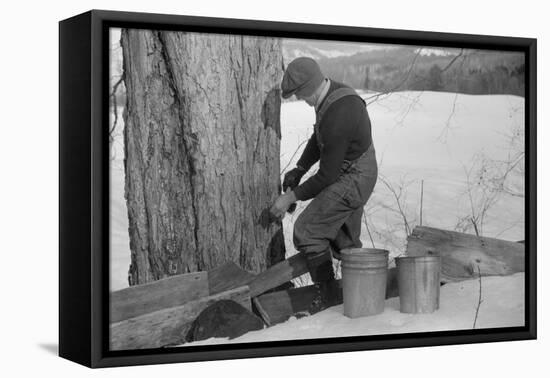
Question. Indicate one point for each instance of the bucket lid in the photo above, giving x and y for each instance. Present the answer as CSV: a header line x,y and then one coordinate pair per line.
x,y
363,251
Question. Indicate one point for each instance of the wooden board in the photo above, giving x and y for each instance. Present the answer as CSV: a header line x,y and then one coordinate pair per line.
x,y
228,276
462,254
169,326
165,293
278,274
277,307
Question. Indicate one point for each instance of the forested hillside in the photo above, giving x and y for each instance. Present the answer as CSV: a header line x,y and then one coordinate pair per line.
x,y
388,68
413,68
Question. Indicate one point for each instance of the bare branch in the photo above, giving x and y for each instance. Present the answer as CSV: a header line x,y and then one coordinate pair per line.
x,y
421,199
481,196
445,132
375,97
368,230
409,108
479,297
293,155
447,128
400,210
115,105
461,53
475,226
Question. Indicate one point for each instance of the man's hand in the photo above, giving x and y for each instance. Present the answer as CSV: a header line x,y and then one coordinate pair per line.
x,y
292,178
282,204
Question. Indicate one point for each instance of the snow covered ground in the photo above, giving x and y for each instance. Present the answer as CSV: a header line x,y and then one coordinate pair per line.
x,y
427,136
502,306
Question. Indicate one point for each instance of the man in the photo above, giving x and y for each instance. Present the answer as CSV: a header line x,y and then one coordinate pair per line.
x,y
342,144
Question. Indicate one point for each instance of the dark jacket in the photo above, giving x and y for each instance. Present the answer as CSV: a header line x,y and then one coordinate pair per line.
x,y
345,132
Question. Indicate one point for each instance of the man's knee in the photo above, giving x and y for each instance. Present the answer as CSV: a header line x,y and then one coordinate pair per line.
x,y
307,236
299,233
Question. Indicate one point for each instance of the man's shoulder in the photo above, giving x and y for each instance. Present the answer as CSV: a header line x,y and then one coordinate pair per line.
x,y
338,90
343,95
337,85
337,93
347,103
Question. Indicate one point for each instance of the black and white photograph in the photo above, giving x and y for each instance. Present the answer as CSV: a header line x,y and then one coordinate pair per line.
x,y
275,189
266,189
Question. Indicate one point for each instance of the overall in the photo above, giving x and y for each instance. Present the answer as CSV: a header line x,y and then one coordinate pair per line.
x,y
333,218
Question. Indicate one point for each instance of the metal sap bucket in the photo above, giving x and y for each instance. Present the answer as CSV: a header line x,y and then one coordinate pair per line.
x,y
364,272
418,278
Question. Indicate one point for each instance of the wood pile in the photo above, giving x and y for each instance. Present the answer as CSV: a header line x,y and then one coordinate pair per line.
x,y
462,254
163,312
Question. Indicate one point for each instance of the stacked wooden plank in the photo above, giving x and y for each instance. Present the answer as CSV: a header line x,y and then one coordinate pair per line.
x,y
160,313
461,257
168,326
463,254
169,292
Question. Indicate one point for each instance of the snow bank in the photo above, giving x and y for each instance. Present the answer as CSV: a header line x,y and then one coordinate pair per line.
x,y
418,136
429,136
502,306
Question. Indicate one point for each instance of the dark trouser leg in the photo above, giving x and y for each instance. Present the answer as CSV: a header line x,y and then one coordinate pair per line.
x,y
333,217
318,225
333,220
349,234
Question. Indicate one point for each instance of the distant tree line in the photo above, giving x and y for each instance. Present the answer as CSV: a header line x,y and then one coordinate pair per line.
x,y
473,72
408,68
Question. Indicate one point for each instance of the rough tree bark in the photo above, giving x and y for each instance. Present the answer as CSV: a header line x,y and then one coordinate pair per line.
x,y
202,134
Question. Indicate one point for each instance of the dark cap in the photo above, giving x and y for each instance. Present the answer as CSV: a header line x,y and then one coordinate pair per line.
x,y
302,76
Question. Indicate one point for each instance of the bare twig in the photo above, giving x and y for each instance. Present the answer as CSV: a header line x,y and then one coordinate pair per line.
x,y
461,53
418,78
481,197
412,104
400,209
479,301
475,226
369,100
421,199
294,154
115,105
368,230
421,78
447,128
512,165
445,132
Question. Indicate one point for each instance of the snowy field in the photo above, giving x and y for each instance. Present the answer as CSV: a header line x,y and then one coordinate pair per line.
x,y
502,306
429,136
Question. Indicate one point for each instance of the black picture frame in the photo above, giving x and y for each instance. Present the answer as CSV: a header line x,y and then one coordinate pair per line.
x,y
84,187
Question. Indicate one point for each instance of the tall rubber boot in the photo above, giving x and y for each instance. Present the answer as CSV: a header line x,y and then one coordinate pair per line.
x,y
328,293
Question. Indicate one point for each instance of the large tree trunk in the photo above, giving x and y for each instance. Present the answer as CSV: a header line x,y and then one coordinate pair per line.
x,y
202,133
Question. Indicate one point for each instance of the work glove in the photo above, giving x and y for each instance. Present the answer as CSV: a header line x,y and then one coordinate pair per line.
x,y
292,178
291,181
